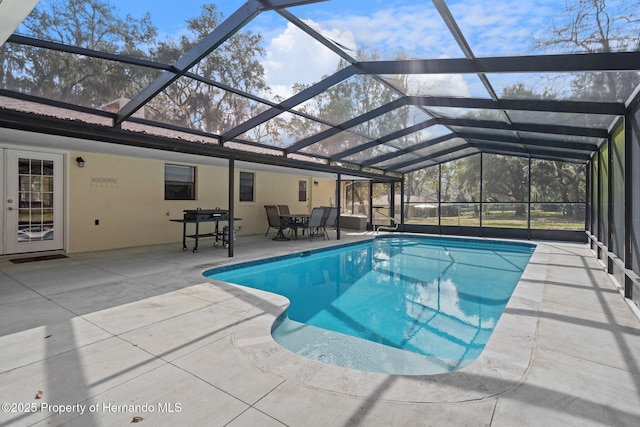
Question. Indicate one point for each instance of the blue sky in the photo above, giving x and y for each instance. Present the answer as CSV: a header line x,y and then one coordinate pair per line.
x,y
386,28
169,16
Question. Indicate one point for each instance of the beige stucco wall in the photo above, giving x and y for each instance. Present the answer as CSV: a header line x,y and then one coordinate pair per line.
x,y
279,189
126,195
323,194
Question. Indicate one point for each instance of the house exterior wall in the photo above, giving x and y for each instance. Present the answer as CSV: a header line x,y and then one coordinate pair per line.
x,y
126,195
278,189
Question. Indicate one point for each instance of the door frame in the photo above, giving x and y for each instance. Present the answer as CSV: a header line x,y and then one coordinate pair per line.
x,y
62,222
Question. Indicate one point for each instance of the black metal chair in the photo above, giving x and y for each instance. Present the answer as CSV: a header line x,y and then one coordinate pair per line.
x,y
276,221
272,217
294,223
314,225
329,220
284,209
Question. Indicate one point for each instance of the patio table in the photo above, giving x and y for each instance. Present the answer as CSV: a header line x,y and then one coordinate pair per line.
x,y
294,221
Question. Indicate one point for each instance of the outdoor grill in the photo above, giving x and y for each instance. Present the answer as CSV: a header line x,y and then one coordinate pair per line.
x,y
197,216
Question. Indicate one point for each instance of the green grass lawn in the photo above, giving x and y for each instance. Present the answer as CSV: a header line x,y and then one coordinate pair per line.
x,y
507,219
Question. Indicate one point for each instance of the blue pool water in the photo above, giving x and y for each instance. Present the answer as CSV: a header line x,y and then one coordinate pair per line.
x,y
402,305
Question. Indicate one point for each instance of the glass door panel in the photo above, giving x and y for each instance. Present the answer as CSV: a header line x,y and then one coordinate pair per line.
x,y
33,220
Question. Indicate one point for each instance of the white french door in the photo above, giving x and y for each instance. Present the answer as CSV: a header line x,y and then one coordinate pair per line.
x,y
33,201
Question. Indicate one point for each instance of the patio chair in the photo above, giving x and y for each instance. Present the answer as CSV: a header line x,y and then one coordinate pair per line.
x,y
314,225
273,217
330,220
325,216
284,209
292,224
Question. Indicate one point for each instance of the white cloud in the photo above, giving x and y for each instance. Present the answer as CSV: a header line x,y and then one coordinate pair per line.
x,y
438,85
295,57
281,91
386,30
505,27
412,30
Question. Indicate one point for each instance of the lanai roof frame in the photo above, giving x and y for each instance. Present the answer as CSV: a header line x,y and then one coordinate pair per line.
x,y
470,64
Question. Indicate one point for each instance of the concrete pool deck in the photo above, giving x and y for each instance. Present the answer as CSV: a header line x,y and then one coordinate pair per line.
x,y
140,332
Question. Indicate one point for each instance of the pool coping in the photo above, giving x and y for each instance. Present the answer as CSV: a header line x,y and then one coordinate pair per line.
x,y
499,368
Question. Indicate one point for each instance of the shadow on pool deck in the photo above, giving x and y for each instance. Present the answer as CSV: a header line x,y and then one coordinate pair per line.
x,y
127,328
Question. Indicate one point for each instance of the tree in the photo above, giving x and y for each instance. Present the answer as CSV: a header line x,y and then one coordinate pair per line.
x,y
557,183
598,26
351,98
77,79
235,63
505,180
356,191
554,181
422,183
95,24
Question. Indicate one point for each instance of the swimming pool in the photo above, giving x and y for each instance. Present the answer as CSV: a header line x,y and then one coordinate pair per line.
x,y
402,305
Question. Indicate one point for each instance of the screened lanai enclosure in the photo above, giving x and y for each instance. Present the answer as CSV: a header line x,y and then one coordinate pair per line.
x,y
475,118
